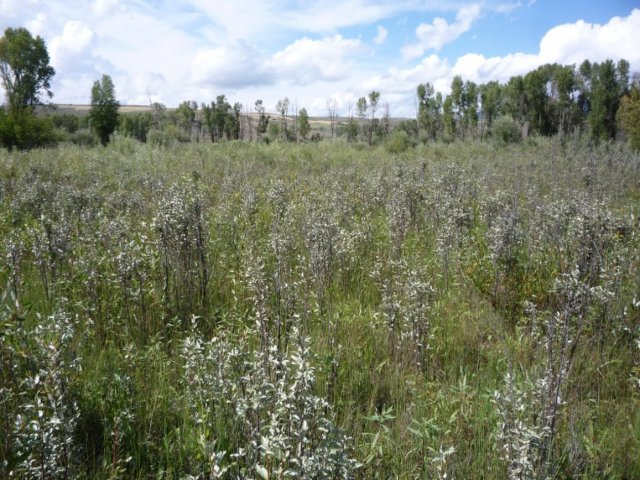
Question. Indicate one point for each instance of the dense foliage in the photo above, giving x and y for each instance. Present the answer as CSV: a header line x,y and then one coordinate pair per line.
x,y
24,68
25,75
103,116
240,310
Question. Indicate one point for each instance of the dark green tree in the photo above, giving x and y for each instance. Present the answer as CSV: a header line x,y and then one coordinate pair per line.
x,y
515,100
351,129
604,100
304,127
103,116
429,116
24,68
470,108
490,104
187,112
539,110
25,75
232,122
448,118
135,125
622,76
457,103
563,88
628,116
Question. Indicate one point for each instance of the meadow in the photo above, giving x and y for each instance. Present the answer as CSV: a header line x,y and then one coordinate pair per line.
x,y
326,310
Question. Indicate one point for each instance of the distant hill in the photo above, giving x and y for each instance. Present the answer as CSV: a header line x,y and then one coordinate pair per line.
x,y
83,109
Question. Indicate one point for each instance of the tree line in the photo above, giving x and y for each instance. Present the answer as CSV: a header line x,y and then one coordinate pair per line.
x,y
598,99
552,99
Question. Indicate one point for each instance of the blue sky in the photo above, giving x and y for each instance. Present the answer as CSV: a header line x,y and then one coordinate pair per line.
x,y
313,51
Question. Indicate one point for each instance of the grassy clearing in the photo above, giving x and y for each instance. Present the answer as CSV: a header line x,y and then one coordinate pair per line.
x,y
257,311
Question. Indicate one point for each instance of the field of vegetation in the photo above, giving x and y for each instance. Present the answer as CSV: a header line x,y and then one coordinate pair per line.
x,y
324,310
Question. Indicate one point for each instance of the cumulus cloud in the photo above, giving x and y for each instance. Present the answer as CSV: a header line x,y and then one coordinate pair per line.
x,y
199,49
70,50
572,43
142,88
37,25
434,36
235,65
565,44
405,80
381,36
306,61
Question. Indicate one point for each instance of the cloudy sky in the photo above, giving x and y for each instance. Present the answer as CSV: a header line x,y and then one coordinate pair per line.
x,y
313,50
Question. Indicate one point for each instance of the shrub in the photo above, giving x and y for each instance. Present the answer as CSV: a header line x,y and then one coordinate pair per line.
x,y
166,136
83,138
506,130
24,130
398,142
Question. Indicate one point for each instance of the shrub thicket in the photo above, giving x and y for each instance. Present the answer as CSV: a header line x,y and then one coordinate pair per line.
x,y
239,310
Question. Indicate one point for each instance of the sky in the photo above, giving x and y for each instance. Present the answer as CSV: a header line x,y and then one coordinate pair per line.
x,y
313,51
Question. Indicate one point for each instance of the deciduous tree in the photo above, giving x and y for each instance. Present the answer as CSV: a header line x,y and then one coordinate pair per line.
x,y
25,75
24,68
628,116
304,126
103,116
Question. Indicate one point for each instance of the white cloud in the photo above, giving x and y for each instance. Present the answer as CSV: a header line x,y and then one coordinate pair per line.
x,y
232,66
69,51
104,7
431,69
572,43
142,88
271,48
143,41
507,7
37,25
307,61
381,36
433,36
14,8
318,17
565,44
254,20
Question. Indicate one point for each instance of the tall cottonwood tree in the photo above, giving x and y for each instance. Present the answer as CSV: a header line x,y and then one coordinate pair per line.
x,y
103,116
25,76
457,103
187,112
491,105
470,108
604,100
24,68
628,116
428,110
